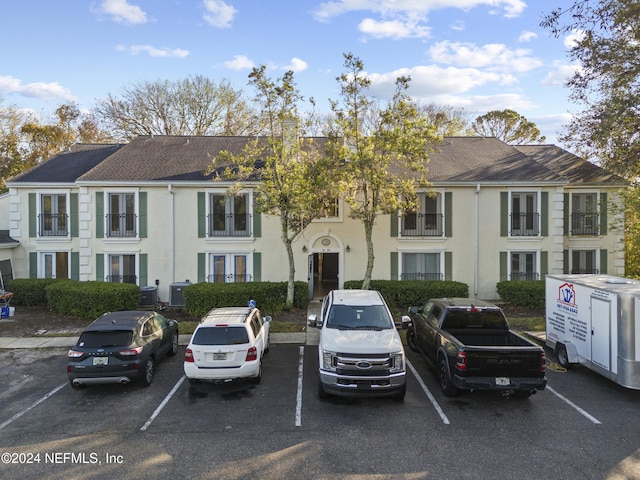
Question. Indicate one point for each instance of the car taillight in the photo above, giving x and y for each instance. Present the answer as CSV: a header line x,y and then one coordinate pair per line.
x,y
461,361
543,362
188,355
131,351
74,354
252,354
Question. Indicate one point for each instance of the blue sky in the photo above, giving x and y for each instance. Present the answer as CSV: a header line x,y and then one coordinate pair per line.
x,y
479,55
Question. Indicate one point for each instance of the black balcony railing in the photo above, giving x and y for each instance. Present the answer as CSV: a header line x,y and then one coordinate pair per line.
x,y
525,224
229,225
53,225
121,225
524,276
229,278
422,225
421,276
584,223
585,270
122,279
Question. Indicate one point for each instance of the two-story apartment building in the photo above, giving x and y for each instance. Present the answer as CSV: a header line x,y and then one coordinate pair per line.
x,y
146,213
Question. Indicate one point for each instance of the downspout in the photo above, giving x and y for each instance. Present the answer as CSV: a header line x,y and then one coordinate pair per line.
x,y
172,226
476,241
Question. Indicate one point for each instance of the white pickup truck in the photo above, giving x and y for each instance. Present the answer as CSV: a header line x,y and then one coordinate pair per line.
x,y
360,351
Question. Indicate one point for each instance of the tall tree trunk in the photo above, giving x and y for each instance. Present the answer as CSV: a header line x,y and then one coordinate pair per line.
x,y
368,233
292,266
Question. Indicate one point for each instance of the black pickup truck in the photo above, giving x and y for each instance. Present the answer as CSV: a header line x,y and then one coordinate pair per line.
x,y
472,347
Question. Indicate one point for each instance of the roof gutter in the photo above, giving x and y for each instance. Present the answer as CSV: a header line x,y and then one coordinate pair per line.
x,y
476,242
172,226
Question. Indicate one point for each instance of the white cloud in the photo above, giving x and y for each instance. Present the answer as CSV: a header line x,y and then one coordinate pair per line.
x,y
219,14
527,36
458,26
297,65
122,12
153,51
37,89
493,56
239,62
481,104
393,29
560,74
573,38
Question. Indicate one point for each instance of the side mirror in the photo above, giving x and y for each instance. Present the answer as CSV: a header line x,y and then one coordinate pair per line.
x,y
406,322
312,321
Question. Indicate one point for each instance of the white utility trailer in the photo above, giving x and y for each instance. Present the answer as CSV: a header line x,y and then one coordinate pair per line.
x,y
594,320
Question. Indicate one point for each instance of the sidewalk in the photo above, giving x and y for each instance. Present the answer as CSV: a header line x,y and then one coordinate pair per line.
x,y
309,337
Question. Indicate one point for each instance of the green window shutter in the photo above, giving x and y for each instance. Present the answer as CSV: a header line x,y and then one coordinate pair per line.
x,y
33,265
504,259
202,267
33,219
603,261
202,215
257,223
566,214
394,266
100,217
603,213
504,214
565,261
100,267
544,214
257,267
448,214
75,266
393,227
143,279
544,264
73,214
142,218
448,266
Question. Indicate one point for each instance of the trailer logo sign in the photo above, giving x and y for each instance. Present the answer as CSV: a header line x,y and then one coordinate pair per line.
x,y
567,298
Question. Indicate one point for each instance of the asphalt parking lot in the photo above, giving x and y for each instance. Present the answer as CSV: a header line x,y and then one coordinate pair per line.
x,y
582,426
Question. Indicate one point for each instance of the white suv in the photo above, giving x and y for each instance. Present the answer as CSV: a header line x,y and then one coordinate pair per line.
x,y
228,344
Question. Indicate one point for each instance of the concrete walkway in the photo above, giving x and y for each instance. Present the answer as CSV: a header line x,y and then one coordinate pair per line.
x,y
308,337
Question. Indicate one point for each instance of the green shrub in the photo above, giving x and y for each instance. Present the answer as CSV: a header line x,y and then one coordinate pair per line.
x,y
522,293
29,292
401,294
91,299
271,297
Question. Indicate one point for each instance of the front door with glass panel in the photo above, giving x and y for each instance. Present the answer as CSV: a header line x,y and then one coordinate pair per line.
x,y
230,268
55,265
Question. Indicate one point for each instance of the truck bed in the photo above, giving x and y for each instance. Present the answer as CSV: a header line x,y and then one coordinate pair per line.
x,y
484,338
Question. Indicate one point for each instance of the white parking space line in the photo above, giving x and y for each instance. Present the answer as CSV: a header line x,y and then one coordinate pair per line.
x,y
570,403
33,405
426,390
163,404
299,392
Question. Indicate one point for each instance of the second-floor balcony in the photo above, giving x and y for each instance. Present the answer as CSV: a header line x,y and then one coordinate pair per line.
x,y
121,225
229,225
525,224
585,223
53,225
421,276
422,225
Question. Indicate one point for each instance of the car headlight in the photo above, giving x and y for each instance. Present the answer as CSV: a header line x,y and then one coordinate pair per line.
x,y
397,362
329,361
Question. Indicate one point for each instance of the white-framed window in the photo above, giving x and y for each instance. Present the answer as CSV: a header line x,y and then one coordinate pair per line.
x,y
229,215
426,265
230,267
584,261
524,266
54,265
53,214
332,211
584,213
121,217
426,220
122,267
524,211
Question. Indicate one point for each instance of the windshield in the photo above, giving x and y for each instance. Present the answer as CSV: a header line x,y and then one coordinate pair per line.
x,y
115,338
348,317
220,336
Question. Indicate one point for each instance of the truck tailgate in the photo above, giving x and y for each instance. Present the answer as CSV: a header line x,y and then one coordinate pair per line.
x,y
503,361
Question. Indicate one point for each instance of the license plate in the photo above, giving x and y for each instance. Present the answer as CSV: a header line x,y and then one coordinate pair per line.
x,y
100,361
219,356
503,381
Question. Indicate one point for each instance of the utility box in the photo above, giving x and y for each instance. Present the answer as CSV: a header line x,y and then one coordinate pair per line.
x,y
149,296
176,293
594,320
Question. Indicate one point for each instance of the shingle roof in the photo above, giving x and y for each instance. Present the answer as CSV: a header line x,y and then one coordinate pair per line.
x,y
67,167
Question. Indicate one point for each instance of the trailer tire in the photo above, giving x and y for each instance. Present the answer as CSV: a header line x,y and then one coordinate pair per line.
x,y
563,357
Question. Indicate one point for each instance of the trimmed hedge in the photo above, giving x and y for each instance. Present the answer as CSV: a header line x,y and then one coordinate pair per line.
x,y
91,299
29,292
522,293
402,294
271,297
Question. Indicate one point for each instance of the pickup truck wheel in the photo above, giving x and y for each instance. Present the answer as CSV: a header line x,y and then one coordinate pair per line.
x,y
446,385
563,358
411,340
